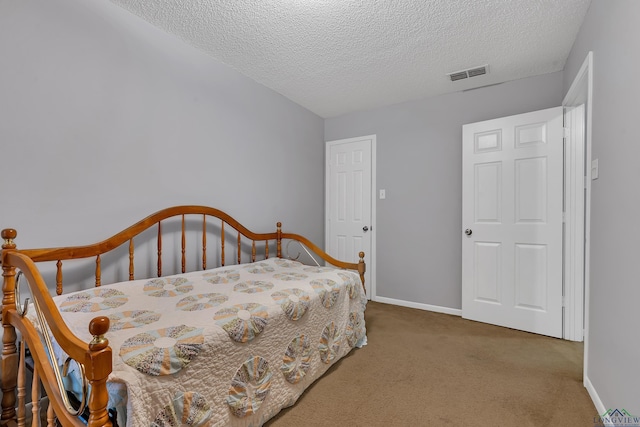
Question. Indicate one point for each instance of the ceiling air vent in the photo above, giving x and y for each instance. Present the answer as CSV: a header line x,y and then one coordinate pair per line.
x,y
458,76
471,72
477,71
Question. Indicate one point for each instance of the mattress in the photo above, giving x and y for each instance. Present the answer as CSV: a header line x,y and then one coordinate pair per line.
x,y
230,346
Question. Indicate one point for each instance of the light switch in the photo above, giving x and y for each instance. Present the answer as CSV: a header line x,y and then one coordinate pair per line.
x,y
383,194
594,169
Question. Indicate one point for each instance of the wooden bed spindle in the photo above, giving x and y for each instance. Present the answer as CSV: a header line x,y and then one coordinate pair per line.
x,y
131,268
22,389
279,239
35,398
184,244
98,272
59,277
239,249
51,416
204,242
159,249
222,245
253,251
266,249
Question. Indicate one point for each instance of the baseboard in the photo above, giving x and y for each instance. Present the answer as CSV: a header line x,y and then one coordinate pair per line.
x,y
427,307
596,401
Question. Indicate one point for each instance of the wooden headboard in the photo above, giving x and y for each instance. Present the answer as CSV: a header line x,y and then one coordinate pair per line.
x,y
229,251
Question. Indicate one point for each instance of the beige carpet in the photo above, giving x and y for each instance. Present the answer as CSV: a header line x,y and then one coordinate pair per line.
x,y
429,369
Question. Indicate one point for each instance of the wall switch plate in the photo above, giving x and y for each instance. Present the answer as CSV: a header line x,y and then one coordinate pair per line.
x,y
594,169
383,194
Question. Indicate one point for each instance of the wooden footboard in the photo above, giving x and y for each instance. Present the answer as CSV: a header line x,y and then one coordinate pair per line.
x,y
95,357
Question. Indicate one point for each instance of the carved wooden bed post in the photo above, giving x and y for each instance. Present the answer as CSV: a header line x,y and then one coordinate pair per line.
x,y
361,269
9,350
101,365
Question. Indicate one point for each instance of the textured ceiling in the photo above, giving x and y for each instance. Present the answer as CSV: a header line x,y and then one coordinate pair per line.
x,y
338,56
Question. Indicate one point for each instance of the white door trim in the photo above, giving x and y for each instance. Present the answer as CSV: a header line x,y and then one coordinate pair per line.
x,y
575,180
370,259
578,219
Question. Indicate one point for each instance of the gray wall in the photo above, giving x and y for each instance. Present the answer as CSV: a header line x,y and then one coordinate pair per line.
x,y
105,119
419,164
612,32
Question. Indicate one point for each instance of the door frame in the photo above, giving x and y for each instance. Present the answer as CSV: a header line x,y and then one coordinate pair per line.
x,y
578,241
370,259
573,223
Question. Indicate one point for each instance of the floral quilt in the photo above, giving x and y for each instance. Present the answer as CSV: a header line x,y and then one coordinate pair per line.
x,y
230,346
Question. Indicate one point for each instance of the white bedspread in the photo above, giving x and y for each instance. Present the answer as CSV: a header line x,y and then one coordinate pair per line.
x,y
230,346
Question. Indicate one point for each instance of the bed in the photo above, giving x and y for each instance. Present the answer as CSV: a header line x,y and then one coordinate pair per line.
x,y
230,342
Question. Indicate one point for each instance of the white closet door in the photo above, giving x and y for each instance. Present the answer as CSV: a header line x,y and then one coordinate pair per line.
x,y
512,222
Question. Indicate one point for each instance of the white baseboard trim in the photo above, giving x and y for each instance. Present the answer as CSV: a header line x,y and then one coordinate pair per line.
x,y
420,306
595,398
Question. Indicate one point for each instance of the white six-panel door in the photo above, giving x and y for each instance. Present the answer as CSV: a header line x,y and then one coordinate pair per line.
x,y
512,222
349,222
